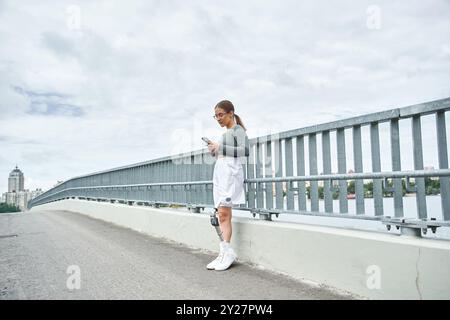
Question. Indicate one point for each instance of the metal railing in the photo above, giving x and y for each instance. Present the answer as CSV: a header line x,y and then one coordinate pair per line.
x,y
274,186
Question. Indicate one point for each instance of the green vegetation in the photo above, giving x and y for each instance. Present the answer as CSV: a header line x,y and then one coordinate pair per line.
x,y
432,187
8,208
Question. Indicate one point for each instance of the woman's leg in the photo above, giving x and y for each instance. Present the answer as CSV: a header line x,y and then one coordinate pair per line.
x,y
225,222
228,256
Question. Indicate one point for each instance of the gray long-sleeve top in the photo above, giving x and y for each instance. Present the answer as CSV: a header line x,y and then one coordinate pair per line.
x,y
234,143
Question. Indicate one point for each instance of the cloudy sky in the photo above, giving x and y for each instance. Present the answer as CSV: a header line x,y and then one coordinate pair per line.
x,y
92,85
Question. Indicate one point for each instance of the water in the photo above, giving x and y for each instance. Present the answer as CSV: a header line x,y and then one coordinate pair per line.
x,y
409,209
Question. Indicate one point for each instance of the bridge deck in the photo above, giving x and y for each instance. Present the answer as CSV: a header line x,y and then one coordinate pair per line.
x,y
36,249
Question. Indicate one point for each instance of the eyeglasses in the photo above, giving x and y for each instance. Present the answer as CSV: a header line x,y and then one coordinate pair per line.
x,y
219,115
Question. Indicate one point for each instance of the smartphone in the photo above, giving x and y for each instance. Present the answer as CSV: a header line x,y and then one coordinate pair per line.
x,y
206,140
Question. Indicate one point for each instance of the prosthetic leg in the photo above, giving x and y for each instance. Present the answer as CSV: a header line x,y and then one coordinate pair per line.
x,y
215,223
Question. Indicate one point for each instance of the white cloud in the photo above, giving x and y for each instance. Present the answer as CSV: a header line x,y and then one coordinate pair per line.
x,y
135,75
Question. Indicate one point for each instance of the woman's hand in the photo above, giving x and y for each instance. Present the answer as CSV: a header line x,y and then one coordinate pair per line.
x,y
213,147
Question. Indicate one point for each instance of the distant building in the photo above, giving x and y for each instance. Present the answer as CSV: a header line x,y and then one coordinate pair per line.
x,y
11,198
25,196
16,194
21,198
16,181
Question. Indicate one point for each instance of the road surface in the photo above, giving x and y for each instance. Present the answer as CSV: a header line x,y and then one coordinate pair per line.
x,y
47,254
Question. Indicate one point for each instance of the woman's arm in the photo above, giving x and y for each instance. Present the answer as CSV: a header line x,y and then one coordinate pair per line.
x,y
239,146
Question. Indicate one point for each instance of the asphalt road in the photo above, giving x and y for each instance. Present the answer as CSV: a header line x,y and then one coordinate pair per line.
x,y
46,254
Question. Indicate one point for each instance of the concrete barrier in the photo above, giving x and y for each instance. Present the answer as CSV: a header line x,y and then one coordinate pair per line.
x,y
367,264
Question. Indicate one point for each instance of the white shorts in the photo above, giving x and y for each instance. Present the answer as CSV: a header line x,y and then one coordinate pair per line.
x,y
228,182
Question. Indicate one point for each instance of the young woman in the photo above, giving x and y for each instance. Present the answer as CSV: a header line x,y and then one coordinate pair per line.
x,y
228,178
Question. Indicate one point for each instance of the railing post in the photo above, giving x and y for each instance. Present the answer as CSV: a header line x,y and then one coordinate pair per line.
x,y
279,200
313,185
326,156
268,173
443,163
377,192
289,165
301,172
342,168
251,194
357,159
421,201
259,174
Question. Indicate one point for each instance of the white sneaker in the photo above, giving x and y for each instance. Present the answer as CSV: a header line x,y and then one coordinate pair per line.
x,y
227,260
212,265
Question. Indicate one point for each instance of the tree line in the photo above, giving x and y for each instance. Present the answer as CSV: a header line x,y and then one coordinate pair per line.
x,y
432,187
4,207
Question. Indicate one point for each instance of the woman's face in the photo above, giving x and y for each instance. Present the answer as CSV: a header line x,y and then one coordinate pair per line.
x,y
222,117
